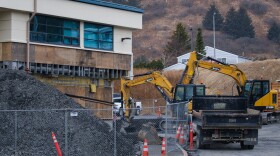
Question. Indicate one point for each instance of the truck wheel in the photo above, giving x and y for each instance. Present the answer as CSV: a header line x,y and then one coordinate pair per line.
x,y
207,146
199,139
250,147
243,146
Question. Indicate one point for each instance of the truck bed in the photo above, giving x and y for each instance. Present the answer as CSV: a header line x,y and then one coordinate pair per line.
x,y
230,120
226,112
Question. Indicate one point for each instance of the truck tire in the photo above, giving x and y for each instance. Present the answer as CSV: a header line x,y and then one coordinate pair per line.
x,y
242,145
199,139
250,147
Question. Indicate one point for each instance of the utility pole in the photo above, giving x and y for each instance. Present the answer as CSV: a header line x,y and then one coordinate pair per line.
x,y
191,29
214,37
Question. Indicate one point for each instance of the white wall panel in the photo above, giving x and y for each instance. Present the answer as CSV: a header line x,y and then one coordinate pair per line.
x,y
125,46
77,10
5,26
19,20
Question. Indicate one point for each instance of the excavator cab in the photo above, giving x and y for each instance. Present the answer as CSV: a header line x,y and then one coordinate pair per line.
x,y
186,92
259,95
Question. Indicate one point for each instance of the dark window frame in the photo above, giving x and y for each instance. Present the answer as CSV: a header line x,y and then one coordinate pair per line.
x,y
98,33
42,21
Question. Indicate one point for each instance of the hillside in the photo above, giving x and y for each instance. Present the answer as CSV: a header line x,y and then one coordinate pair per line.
x,y
215,83
161,16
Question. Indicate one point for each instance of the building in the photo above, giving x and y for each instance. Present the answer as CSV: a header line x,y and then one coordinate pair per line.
x,y
221,55
79,46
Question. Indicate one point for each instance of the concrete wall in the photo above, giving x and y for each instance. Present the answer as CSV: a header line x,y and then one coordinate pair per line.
x,y
5,26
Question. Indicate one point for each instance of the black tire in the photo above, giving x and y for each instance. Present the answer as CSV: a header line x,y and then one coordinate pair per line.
x,y
199,139
250,147
207,146
242,145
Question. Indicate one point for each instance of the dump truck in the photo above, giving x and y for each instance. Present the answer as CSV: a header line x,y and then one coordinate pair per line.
x,y
225,119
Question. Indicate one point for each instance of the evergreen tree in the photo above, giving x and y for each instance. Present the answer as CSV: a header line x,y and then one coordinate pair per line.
x,y
238,24
246,28
231,26
199,43
141,62
178,44
274,33
208,19
155,65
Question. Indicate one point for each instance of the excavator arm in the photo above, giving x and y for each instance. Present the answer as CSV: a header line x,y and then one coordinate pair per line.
x,y
155,78
213,65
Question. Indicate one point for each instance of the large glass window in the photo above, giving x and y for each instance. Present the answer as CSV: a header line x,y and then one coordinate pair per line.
x,y
55,30
98,36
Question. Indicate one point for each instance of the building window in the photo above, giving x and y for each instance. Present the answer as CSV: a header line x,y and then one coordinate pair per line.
x,y
224,60
184,61
98,36
53,30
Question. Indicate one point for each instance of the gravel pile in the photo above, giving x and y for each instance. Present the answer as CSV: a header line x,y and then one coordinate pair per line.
x,y
30,131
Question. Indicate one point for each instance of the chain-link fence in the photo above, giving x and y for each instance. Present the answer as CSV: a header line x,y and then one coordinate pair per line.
x,y
80,132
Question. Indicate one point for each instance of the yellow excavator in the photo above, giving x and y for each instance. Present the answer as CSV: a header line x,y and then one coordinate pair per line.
x,y
257,92
182,92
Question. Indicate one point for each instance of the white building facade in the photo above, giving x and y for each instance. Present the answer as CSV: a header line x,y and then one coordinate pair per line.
x,y
89,40
221,55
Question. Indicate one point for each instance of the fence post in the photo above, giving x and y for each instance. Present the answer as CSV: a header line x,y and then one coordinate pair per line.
x,y
166,125
66,131
115,133
16,135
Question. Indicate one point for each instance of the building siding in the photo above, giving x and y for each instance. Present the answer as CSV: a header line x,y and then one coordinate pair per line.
x,y
77,10
122,46
13,29
65,56
5,26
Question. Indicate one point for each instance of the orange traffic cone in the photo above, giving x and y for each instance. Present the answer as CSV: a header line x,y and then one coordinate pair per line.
x,y
182,139
145,148
59,153
178,133
163,150
191,136
159,112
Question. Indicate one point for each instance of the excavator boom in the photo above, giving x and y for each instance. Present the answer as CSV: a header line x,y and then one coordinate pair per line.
x,y
155,78
212,65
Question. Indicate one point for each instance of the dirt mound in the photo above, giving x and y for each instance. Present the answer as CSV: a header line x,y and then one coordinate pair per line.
x,y
29,132
222,84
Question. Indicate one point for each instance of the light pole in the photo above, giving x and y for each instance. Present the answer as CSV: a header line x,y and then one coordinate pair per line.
x,y
191,29
214,37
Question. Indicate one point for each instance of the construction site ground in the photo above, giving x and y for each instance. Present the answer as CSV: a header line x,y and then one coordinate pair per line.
x,y
268,144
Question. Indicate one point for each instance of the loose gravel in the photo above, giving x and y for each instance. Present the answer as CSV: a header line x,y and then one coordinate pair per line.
x,y
27,131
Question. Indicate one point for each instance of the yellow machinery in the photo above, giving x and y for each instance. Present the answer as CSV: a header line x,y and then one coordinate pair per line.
x,y
258,92
178,94
155,78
